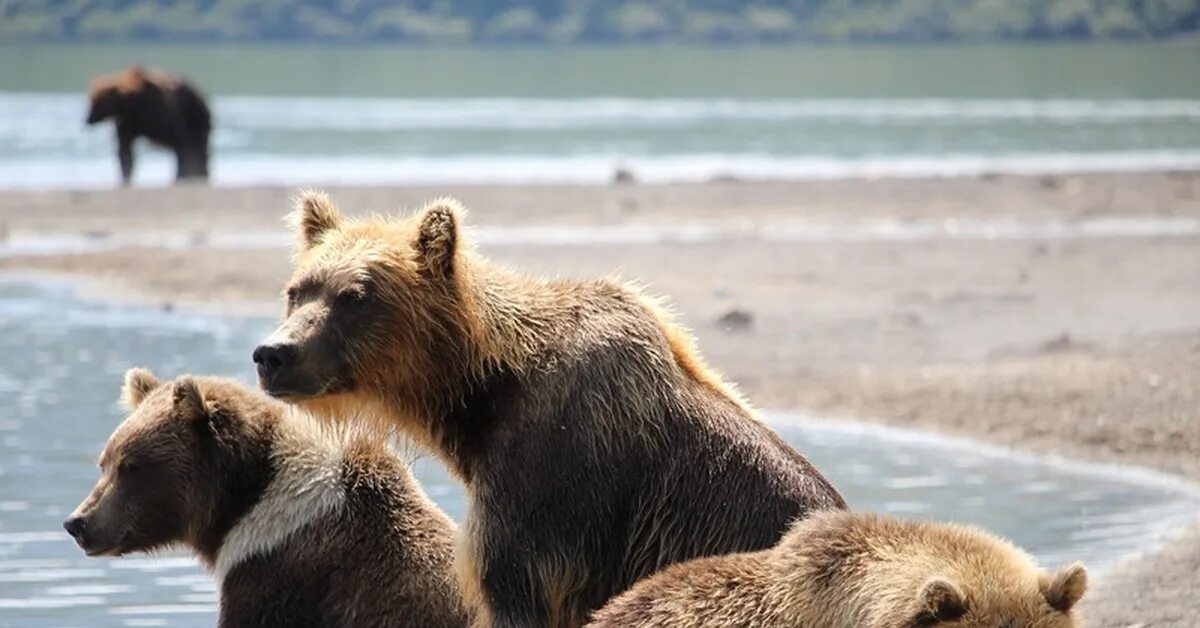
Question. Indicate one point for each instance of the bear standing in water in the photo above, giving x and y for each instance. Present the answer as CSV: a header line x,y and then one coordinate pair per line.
x,y
162,108
595,444
855,570
302,525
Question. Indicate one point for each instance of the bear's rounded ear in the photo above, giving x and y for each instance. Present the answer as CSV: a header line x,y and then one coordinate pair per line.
x,y
188,401
139,383
1065,588
437,236
315,214
939,600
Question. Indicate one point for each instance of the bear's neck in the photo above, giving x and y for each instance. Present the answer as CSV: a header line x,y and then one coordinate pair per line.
x,y
240,471
512,319
287,476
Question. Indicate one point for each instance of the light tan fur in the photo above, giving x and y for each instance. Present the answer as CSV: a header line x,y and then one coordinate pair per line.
x,y
504,317
130,81
840,569
687,356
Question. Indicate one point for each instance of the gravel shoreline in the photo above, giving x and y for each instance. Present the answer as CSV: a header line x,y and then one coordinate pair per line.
x,y
1086,347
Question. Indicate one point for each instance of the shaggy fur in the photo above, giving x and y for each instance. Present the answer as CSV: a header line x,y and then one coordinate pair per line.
x,y
595,444
302,524
855,570
162,108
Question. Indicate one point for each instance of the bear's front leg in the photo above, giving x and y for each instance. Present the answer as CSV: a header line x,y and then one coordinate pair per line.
x,y
520,587
125,139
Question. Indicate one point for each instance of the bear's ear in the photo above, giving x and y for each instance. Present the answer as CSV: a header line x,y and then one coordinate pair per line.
x,y
138,384
939,600
315,214
437,236
1065,588
189,403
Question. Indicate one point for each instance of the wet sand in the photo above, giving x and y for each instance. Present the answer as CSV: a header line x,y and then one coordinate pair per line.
x,y
1081,345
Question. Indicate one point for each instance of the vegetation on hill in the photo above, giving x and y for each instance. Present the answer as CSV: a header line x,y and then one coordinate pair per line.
x,y
593,21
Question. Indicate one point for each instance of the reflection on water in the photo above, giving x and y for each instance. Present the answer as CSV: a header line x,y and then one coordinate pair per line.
x,y
60,381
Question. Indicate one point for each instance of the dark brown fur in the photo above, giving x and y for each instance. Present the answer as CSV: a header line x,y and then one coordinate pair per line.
x,y
164,109
595,445
857,570
201,462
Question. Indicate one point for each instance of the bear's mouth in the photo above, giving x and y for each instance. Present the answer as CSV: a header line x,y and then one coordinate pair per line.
x,y
94,551
284,394
112,550
299,391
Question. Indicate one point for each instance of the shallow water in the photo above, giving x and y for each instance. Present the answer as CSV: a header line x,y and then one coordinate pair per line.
x,y
67,355
317,115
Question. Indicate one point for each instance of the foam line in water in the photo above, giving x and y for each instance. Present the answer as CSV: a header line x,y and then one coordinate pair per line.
x,y
51,602
161,609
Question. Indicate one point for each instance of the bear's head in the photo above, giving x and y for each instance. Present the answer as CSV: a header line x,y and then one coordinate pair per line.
x,y
376,311
1000,598
109,95
168,471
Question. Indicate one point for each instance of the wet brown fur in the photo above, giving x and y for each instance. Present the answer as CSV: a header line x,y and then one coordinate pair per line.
x,y
856,570
200,463
596,445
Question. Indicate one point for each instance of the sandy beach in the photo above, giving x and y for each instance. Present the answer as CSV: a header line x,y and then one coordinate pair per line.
x,y
1051,313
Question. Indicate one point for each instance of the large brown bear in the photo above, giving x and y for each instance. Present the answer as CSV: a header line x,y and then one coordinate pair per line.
x,y
595,445
302,525
855,570
162,108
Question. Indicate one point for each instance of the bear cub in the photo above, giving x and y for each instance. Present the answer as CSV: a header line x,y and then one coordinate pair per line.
x,y
841,569
302,525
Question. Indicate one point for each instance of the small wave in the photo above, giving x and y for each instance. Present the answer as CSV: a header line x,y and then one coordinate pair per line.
x,y
361,114
558,114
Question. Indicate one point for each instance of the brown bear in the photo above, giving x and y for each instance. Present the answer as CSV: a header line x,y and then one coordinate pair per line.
x,y
595,445
856,570
164,109
302,525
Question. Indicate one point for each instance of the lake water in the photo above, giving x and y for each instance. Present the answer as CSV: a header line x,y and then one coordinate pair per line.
x,y
303,115
66,356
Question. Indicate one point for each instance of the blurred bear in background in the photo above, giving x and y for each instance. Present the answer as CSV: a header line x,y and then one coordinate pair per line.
x,y
160,107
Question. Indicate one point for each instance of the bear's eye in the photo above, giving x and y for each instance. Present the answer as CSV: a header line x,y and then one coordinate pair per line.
x,y
351,295
130,466
292,296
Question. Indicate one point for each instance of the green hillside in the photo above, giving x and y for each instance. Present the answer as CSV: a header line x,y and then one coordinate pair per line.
x,y
593,21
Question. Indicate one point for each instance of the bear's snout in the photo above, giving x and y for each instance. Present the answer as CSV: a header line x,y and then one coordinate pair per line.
x,y
75,527
271,358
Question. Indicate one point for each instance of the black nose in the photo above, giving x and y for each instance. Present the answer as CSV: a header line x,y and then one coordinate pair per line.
x,y
271,358
74,526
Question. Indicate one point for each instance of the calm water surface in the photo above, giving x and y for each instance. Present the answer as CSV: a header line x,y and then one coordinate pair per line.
x,y
66,356
305,115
